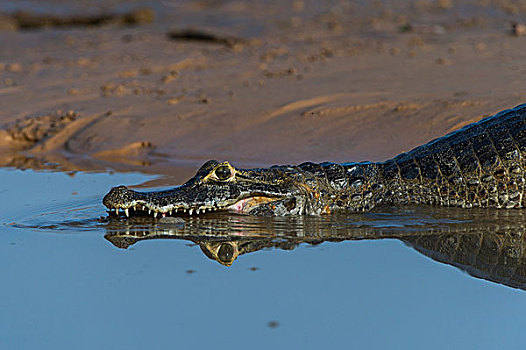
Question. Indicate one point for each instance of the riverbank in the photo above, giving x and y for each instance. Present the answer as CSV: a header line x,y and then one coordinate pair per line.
x,y
257,85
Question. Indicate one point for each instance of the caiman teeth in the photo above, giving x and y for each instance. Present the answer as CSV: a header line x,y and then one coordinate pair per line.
x,y
160,211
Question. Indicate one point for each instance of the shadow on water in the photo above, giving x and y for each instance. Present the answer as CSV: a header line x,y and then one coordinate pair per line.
x,y
487,244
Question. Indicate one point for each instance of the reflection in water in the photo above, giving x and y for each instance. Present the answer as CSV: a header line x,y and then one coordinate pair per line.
x,y
487,244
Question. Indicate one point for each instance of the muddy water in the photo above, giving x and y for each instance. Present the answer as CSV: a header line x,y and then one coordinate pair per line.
x,y
74,277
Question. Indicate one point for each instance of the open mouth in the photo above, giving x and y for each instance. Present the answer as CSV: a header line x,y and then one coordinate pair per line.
x,y
247,204
141,207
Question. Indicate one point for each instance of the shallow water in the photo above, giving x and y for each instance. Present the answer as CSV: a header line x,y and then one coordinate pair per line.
x,y
74,277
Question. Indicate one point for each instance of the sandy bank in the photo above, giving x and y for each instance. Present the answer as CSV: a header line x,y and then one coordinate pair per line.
x,y
268,84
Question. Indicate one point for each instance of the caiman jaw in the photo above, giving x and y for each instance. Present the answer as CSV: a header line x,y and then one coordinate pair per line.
x,y
122,198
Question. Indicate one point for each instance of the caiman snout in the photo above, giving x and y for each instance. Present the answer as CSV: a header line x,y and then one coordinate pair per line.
x,y
163,203
118,195
123,198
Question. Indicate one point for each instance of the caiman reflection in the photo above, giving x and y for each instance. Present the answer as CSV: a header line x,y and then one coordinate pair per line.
x,y
487,244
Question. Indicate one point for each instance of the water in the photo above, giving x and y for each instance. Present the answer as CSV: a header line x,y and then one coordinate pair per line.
x,y
73,277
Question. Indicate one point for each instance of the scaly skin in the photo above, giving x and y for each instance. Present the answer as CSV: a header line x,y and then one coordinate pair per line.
x,y
480,165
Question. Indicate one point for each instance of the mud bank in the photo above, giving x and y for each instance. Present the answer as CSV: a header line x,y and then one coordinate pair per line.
x,y
256,84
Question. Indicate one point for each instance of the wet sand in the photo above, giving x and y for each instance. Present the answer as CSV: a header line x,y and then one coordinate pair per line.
x,y
257,84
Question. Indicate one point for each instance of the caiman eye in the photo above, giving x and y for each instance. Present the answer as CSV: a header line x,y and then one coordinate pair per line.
x,y
223,173
225,253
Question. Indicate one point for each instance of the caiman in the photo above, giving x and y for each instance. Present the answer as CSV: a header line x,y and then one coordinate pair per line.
x,y
480,165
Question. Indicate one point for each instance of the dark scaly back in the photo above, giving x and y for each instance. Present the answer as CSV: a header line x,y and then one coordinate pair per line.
x,y
479,165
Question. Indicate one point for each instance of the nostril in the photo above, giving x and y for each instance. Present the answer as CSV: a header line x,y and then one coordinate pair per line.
x,y
118,189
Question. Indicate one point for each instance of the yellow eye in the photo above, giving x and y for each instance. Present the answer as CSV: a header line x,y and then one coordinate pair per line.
x,y
223,173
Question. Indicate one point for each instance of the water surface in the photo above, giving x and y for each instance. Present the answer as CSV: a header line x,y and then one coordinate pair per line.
x,y
75,277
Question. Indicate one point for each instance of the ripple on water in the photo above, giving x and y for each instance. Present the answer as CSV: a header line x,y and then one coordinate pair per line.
x,y
58,202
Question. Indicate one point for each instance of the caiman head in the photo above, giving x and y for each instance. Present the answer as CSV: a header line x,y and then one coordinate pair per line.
x,y
218,186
